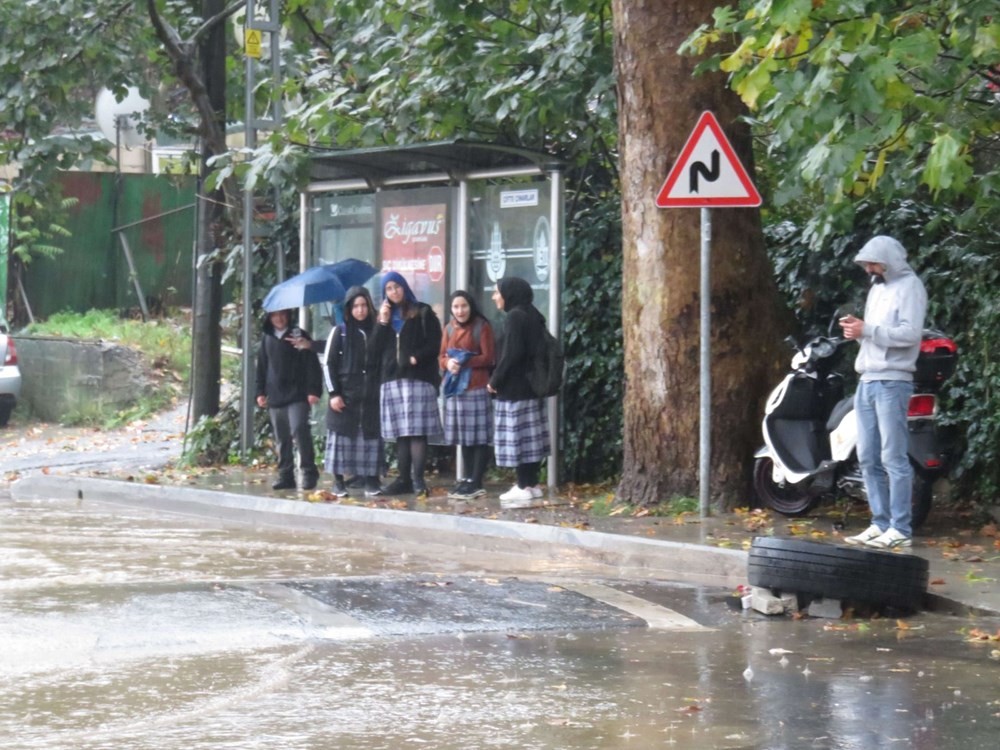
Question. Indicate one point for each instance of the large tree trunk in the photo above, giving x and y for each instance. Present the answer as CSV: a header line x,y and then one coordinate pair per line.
x,y
206,365
659,104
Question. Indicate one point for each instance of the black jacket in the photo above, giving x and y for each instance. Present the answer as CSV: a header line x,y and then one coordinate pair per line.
x,y
351,372
285,374
420,337
517,345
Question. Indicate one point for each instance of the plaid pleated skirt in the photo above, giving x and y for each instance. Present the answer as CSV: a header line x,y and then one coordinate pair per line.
x,y
410,408
522,432
468,418
351,455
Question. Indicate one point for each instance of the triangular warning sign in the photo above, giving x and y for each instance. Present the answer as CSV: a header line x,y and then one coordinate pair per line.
x,y
708,172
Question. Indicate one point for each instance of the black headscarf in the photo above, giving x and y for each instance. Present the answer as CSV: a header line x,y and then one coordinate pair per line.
x,y
368,323
516,292
353,344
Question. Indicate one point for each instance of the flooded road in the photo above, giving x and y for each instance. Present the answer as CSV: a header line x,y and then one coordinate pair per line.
x,y
122,629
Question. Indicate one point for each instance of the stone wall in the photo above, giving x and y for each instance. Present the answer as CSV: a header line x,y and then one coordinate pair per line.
x,y
78,376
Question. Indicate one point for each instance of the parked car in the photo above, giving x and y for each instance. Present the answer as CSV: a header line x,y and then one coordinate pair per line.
x,y
10,375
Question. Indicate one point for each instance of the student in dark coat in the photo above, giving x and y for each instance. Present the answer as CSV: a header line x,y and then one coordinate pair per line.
x,y
289,383
521,437
407,339
352,421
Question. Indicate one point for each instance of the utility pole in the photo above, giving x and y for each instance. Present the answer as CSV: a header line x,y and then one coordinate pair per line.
x,y
259,19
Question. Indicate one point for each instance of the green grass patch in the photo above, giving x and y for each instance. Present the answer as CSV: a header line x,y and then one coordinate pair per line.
x,y
166,344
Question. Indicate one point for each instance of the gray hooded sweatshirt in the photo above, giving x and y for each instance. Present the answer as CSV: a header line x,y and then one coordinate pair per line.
x,y
894,315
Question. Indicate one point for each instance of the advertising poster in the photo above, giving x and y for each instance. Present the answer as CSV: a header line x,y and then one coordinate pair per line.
x,y
414,243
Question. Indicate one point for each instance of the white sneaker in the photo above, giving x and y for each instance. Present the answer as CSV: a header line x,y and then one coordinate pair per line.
x,y
865,536
517,497
537,491
892,539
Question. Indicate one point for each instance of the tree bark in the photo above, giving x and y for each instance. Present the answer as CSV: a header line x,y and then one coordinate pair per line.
x,y
659,104
200,64
206,365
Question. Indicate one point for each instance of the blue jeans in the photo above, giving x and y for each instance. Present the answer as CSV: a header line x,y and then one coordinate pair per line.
x,y
883,437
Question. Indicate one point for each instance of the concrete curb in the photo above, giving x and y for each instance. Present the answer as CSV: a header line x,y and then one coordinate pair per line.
x,y
623,556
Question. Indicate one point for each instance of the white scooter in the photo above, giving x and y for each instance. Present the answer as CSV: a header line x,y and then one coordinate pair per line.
x,y
811,433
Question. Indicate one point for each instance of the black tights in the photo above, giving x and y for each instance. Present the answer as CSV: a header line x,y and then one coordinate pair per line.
x,y
411,458
527,474
474,460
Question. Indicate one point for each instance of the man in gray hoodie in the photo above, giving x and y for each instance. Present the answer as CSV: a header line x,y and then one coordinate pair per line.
x,y
890,337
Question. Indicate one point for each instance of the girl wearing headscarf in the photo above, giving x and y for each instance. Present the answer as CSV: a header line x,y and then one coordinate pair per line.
x,y
352,421
522,429
466,358
407,340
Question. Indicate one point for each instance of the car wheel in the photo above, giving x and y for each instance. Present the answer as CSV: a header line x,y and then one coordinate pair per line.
x,y
838,572
5,409
789,500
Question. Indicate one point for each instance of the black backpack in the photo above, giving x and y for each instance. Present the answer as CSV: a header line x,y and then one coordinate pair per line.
x,y
546,374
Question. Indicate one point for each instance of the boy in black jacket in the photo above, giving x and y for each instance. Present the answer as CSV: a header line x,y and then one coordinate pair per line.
x,y
289,383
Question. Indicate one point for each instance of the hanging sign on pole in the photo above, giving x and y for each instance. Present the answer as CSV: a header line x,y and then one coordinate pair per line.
x,y
707,173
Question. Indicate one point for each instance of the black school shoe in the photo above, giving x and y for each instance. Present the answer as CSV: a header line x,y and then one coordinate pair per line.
x,y
284,483
399,487
309,481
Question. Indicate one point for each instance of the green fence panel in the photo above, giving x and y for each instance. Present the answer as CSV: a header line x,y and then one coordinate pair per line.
x,y
157,217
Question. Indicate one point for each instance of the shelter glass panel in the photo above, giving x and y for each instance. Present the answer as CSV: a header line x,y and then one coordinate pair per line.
x,y
509,235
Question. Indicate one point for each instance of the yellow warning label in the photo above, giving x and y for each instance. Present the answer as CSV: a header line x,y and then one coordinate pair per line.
x,y
252,45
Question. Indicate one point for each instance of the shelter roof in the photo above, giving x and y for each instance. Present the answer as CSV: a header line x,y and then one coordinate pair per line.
x,y
456,158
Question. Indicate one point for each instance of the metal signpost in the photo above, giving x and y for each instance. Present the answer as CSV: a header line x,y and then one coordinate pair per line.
x,y
258,19
707,173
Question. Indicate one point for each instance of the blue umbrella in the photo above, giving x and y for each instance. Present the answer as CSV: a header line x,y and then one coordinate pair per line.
x,y
327,283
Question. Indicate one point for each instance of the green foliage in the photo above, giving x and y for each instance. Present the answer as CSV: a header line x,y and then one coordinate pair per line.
x,y
215,440
877,118
48,82
868,99
594,387
165,344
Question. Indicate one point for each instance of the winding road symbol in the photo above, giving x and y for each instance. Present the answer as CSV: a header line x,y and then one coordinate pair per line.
x,y
715,175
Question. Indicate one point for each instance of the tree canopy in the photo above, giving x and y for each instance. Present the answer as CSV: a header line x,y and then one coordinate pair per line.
x,y
862,97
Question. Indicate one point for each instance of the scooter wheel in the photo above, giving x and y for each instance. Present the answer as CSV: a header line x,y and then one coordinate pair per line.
x,y
790,500
923,495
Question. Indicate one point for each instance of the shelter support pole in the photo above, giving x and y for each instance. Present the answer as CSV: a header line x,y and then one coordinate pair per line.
x,y
461,277
555,311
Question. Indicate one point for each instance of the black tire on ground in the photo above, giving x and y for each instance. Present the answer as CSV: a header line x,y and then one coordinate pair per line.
x,y
790,500
5,409
923,494
830,571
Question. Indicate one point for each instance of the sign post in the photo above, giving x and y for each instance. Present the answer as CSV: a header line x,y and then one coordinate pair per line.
x,y
706,174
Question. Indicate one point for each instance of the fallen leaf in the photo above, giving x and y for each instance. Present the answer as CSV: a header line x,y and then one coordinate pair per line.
x,y
938,582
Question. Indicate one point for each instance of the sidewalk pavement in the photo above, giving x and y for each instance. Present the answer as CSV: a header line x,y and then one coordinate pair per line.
x,y
560,533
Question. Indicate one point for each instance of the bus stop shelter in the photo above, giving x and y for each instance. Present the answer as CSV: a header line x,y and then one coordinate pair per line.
x,y
447,215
